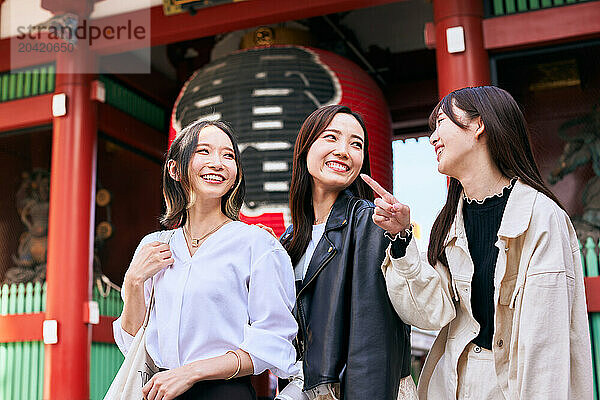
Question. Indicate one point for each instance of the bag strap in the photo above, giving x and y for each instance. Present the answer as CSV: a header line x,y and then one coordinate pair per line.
x,y
165,237
147,316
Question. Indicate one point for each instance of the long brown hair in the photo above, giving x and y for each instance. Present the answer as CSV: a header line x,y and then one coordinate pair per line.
x,y
179,195
508,143
301,207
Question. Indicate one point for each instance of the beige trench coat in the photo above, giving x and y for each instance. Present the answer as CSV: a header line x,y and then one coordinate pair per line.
x,y
541,343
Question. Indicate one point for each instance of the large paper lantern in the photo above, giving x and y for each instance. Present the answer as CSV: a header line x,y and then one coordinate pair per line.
x,y
266,93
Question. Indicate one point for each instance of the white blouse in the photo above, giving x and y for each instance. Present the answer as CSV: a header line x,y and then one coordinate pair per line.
x,y
237,291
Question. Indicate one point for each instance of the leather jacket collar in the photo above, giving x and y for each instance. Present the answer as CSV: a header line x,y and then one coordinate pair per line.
x,y
326,249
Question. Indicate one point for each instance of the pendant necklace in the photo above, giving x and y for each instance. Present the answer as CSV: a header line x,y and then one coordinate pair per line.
x,y
195,242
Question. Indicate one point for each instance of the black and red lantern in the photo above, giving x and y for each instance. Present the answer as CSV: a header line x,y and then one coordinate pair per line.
x,y
266,93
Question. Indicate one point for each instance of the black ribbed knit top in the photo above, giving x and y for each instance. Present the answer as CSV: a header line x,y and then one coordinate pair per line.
x,y
482,221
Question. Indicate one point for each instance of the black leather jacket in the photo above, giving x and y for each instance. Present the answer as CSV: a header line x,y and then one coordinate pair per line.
x,y
348,329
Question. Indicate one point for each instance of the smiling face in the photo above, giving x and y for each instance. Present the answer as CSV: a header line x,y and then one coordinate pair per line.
x,y
453,145
212,169
335,159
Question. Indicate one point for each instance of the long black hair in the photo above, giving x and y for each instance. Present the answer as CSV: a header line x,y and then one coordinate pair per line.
x,y
178,194
508,143
301,208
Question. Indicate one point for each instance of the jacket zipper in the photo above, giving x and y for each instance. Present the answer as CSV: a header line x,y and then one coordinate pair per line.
x,y
301,341
301,312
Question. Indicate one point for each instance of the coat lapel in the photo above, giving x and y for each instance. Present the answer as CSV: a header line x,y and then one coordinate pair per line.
x,y
518,211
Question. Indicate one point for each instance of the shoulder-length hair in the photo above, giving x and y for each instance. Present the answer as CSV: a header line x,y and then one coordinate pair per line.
x,y
508,143
178,194
301,207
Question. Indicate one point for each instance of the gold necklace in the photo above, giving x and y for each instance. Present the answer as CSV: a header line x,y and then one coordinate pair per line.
x,y
321,220
195,242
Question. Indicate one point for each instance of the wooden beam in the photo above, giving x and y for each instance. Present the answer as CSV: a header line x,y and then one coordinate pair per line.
x,y
26,113
206,22
131,131
542,27
37,110
21,327
28,328
103,332
163,90
225,18
592,293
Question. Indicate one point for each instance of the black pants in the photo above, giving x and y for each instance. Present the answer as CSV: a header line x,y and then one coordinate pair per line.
x,y
233,389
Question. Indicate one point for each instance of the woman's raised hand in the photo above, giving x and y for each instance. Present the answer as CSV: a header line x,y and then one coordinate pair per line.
x,y
390,214
151,258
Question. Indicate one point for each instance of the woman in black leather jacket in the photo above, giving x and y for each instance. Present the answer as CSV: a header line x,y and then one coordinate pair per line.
x,y
351,342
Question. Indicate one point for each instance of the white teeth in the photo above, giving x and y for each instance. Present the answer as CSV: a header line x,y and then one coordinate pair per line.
x,y
211,177
337,166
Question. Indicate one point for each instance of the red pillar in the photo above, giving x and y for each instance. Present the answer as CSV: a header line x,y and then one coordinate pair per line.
x,y
471,66
70,233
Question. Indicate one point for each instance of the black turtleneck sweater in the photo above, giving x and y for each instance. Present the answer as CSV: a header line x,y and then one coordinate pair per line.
x,y
482,221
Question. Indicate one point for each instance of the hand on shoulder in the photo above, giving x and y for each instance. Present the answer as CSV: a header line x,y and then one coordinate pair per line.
x,y
148,260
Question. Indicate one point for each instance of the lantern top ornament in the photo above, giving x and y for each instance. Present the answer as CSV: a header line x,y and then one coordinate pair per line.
x,y
269,36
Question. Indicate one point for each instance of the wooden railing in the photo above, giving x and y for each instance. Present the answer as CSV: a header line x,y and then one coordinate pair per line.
x,y
22,362
495,8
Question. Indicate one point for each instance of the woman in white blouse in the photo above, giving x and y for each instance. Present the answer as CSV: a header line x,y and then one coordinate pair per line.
x,y
223,290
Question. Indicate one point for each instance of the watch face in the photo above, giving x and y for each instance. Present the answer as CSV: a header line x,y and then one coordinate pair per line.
x,y
265,94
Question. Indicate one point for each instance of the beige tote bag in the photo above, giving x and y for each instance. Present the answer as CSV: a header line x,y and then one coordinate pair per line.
x,y
138,367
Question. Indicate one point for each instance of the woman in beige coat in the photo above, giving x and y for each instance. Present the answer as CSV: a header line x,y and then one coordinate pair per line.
x,y
503,276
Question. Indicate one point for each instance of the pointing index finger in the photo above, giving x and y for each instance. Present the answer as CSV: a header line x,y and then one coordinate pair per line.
x,y
377,188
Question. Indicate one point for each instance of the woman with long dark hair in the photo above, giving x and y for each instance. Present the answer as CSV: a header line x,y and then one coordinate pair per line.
x,y
503,275
223,290
351,342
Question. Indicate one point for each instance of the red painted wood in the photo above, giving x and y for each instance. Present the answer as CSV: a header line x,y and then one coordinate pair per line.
x,y
467,68
79,7
21,327
206,22
592,293
103,332
28,328
70,233
230,17
25,60
25,113
131,131
543,27
37,110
